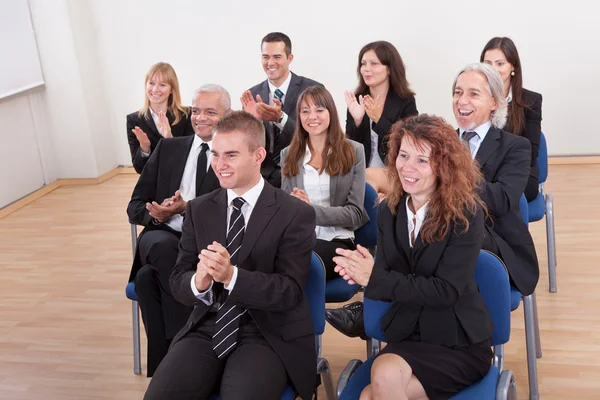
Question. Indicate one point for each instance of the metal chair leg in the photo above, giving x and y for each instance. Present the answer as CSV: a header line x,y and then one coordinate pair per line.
x,y
325,372
373,347
550,238
499,357
530,345
538,341
137,362
133,238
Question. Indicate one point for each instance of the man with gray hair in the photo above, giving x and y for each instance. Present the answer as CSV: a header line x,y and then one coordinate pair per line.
x,y
178,170
504,159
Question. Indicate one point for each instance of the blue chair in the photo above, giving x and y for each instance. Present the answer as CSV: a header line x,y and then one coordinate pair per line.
x,y
135,311
315,293
533,343
493,282
338,290
544,205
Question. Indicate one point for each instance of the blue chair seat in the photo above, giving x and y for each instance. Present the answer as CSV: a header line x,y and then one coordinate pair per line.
x,y
515,298
337,290
288,394
130,291
537,208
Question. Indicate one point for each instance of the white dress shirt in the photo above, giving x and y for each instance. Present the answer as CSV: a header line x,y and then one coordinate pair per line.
x,y
317,188
417,217
251,198
475,142
187,187
284,88
376,161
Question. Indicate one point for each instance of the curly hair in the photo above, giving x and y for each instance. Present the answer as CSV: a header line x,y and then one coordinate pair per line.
x,y
458,177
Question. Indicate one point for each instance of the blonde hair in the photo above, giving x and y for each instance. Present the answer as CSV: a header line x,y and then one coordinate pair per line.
x,y
174,106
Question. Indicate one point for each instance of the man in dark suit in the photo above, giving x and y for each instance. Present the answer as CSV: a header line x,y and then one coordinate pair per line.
x,y
480,110
176,172
274,100
243,261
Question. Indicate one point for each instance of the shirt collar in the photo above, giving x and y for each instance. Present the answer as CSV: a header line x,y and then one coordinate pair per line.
x,y
284,86
509,97
481,130
251,196
198,142
419,215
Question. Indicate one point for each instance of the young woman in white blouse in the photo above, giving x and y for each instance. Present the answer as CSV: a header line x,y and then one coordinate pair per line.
x,y
326,170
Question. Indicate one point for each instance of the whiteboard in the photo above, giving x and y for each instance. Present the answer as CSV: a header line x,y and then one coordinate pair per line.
x,y
20,68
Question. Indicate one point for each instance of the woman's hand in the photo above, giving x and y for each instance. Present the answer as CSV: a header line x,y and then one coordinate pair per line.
x,y
355,266
373,107
300,194
164,127
142,138
355,107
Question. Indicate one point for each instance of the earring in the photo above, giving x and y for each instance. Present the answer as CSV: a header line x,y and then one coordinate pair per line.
x,y
512,73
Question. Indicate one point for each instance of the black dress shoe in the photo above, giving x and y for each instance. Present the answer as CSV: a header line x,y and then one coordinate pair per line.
x,y
348,319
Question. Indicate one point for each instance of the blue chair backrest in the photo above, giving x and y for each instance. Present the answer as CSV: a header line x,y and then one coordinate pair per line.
x,y
491,277
494,286
315,293
542,159
366,235
524,209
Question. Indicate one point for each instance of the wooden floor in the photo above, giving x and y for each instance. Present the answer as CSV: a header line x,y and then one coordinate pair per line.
x,y
65,324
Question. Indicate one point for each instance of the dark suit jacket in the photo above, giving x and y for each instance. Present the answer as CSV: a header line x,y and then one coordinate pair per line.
x,y
533,126
273,266
270,171
394,109
504,160
433,285
160,179
182,128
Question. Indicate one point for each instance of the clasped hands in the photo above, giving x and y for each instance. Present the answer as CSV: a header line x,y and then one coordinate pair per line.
x,y
214,264
169,207
355,266
259,108
373,107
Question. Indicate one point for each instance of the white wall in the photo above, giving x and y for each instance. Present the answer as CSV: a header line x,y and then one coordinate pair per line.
x,y
95,54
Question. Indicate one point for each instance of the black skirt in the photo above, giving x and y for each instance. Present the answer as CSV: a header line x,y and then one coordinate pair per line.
x,y
444,371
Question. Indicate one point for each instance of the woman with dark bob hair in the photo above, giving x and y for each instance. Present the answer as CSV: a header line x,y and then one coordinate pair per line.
x,y
431,227
524,106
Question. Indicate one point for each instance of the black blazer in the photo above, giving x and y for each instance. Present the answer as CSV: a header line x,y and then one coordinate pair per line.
x,y
433,284
273,266
160,179
533,126
504,160
182,128
269,170
394,109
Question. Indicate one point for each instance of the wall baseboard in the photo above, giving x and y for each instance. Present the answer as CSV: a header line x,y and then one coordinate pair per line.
x,y
573,160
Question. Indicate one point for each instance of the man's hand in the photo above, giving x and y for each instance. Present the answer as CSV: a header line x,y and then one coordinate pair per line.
x,y
159,212
218,263
203,278
176,203
163,125
355,266
142,138
249,104
300,194
267,112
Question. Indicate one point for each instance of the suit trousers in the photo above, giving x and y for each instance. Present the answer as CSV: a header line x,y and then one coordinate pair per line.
x,y
191,369
163,316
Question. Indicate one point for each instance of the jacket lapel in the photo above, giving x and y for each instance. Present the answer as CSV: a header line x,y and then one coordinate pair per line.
x,y
488,146
402,226
179,163
210,181
333,181
291,97
216,218
264,92
262,213
150,122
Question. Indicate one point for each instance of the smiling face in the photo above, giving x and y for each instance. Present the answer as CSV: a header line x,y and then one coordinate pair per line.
x,y
207,111
497,59
372,70
275,62
472,102
234,163
415,171
314,119
158,91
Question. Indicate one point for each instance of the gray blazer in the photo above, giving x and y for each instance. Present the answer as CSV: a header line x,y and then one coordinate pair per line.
x,y
347,193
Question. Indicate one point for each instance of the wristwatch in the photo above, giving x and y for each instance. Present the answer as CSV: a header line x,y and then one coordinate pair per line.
x,y
280,117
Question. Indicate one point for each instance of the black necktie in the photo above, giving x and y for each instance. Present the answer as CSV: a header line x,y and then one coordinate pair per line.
x,y
228,316
468,135
276,154
201,167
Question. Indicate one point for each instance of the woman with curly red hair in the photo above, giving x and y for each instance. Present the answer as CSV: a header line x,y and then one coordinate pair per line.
x,y
431,228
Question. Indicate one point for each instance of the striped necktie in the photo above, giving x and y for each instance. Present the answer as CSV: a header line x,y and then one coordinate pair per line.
x,y
276,153
228,317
